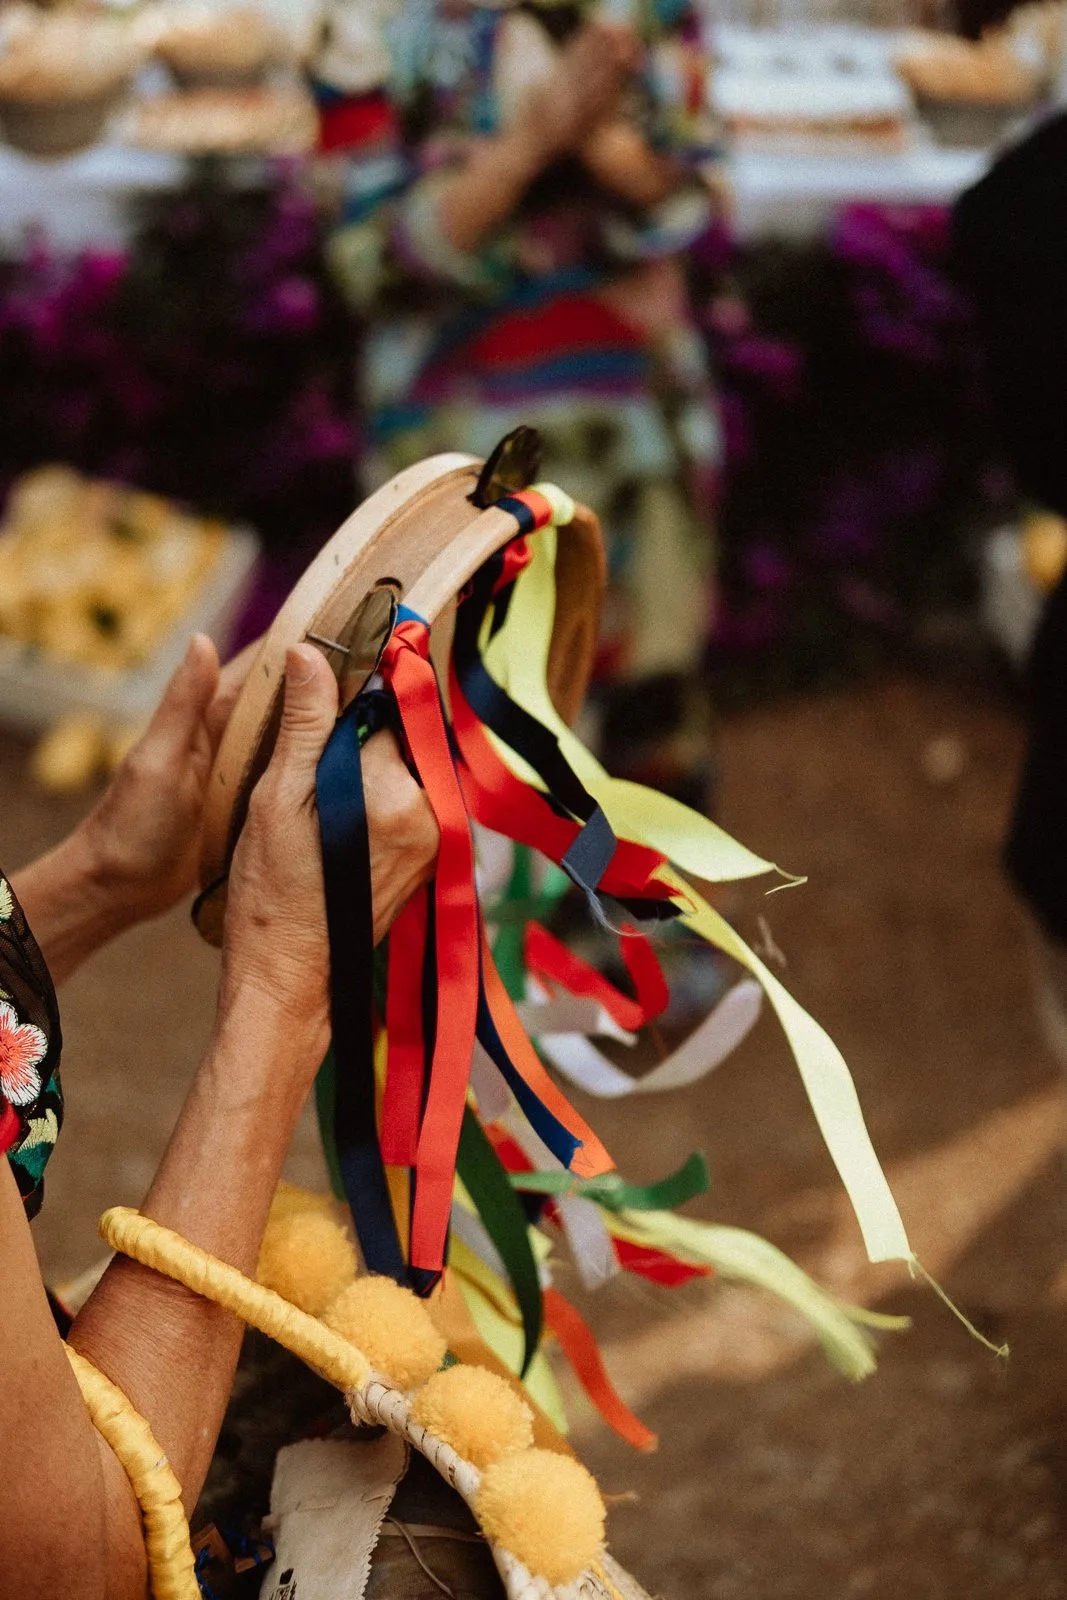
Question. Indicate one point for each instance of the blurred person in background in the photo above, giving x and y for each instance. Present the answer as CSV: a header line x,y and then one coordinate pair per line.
x,y
69,1525
1011,236
518,184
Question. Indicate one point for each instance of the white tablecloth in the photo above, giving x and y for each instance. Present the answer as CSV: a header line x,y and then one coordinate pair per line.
x,y
794,196
83,200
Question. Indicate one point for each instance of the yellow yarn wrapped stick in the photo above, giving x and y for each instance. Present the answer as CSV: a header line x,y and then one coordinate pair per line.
x,y
167,1252
171,1565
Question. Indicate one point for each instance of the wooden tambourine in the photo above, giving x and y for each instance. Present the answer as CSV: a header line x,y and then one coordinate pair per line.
x,y
418,539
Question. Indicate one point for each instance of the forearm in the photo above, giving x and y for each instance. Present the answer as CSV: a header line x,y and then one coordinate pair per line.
x,y
66,1519
70,907
488,186
170,1351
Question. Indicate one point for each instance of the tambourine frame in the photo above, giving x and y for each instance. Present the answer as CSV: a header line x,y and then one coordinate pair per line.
x,y
420,538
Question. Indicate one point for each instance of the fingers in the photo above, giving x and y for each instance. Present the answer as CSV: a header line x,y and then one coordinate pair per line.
x,y
309,712
180,713
612,46
231,681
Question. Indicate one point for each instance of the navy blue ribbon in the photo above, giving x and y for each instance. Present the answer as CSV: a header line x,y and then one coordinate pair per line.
x,y
342,815
589,857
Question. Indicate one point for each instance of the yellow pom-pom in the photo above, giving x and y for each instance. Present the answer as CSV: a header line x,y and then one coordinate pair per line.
x,y
290,1200
307,1258
477,1412
391,1326
546,1509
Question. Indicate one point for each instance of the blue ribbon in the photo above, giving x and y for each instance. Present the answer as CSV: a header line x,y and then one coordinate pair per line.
x,y
342,815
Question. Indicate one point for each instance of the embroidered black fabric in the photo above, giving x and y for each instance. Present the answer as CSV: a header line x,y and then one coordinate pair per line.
x,y
28,1002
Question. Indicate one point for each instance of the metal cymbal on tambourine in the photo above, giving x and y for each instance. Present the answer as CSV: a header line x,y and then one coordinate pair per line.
x,y
418,539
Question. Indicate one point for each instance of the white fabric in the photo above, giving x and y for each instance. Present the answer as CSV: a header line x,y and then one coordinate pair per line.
x,y
328,1501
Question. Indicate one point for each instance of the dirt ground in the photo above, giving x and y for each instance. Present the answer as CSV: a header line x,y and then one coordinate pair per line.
x,y
946,1473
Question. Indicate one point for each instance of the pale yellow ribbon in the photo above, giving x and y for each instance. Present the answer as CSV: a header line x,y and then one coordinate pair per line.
x,y
517,656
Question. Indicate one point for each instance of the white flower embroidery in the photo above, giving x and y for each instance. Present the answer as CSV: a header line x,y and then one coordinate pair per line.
x,y
22,1049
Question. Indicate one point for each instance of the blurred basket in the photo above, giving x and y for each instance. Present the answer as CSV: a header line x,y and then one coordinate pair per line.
x,y
57,128
36,690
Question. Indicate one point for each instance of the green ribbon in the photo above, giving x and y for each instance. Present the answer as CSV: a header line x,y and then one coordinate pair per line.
x,y
511,917
325,1089
615,1194
504,1219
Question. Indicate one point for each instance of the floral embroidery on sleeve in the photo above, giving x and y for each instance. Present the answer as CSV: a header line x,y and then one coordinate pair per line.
x,y
31,1098
22,1049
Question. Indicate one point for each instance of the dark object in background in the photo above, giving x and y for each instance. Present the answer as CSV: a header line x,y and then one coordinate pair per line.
x,y
1011,240
1011,244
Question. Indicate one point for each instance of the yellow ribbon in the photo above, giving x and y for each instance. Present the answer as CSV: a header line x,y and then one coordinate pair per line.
x,y
517,656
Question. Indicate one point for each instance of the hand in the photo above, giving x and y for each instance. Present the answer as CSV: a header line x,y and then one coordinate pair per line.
x,y
583,91
620,158
275,939
143,839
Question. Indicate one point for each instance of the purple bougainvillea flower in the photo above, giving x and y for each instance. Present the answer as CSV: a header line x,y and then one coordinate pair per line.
x,y
740,629
774,362
737,433
766,567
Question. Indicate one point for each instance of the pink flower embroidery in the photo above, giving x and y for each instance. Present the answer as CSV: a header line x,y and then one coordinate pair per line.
x,y
22,1049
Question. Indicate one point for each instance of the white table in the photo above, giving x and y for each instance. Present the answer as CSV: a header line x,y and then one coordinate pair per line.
x,y
794,196
81,200
84,200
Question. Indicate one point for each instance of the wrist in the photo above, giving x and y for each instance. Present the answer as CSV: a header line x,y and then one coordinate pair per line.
x,y
68,898
275,1031
102,872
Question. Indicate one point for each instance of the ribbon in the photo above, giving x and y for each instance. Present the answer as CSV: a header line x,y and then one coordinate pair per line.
x,y
545,1107
493,1311
741,1257
342,815
593,845
405,1064
406,667
517,656
502,800
721,1031
548,958
576,1340
658,1266
488,1185
615,1194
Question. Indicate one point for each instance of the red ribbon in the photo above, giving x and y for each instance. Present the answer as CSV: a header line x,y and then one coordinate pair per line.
x,y
580,1347
406,1059
656,1265
499,800
549,959
406,667
516,556
10,1126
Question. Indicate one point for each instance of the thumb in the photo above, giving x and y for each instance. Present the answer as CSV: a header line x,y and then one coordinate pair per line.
x,y
309,712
